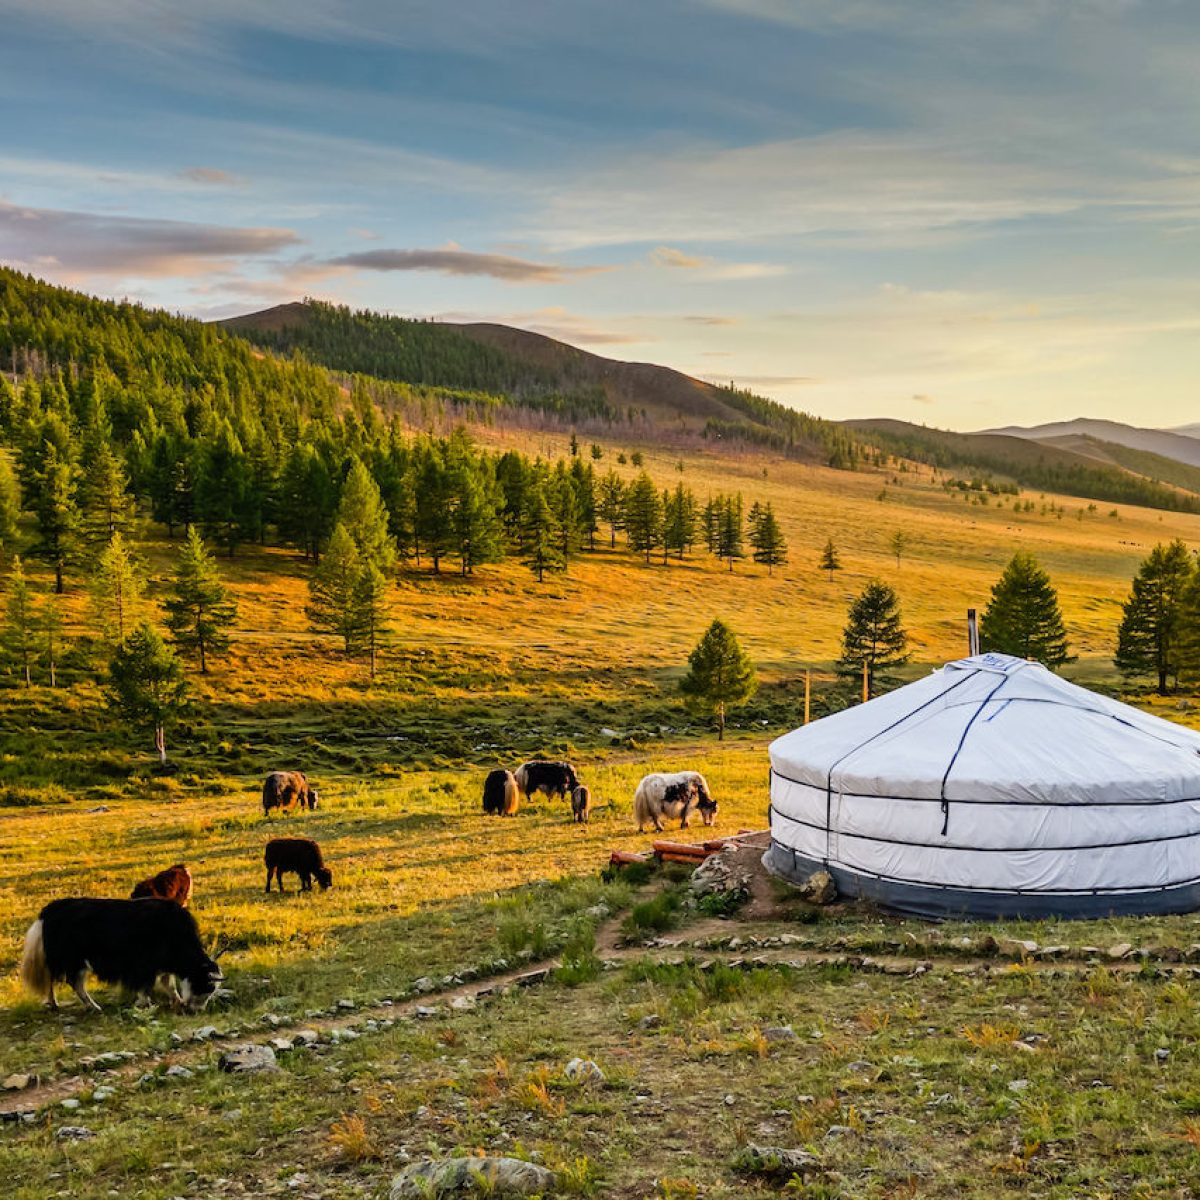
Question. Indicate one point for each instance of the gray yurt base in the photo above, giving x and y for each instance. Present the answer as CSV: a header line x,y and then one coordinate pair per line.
x,y
953,903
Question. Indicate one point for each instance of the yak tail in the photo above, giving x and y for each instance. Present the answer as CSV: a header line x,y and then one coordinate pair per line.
x,y
35,974
641,806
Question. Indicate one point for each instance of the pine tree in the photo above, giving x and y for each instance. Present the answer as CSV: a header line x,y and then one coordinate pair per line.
x,y
474,519
730,529
116,589
53,501
223,490
540,535
372,609
898,543
643,516
10,506
199,608
146,683
20,621
564,503
1023,617
767,540
873,635
611,506
583,477
829,559
1153,635
362,514
332,602
105,505
720,675
434,534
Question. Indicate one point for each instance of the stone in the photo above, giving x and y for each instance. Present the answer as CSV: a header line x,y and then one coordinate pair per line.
x,y
72,1133
779,1033
248,1056
776,1161
730,1100
583,1070
1162,1054
175,1039
18,1083
232,1116
1120,950
490,1176
205,1033
282,1045
462,1003
70,1104
1021,946
819,888
423,985
305,1037
720,874
860,1065
100,1094
425,1011
1054,951
178,1072
347,1005
1018,1085
650,1021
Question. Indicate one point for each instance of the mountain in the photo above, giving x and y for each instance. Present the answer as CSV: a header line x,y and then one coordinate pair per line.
x,y
1186,430
534,371
1176,444
1075,464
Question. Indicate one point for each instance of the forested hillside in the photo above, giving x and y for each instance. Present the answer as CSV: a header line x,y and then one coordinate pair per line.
x,y
533,371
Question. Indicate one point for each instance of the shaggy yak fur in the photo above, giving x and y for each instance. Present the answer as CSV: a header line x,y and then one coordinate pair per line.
x,y
500,794
175,883
673,795
302,856
553,778
581,804
287,789
130,942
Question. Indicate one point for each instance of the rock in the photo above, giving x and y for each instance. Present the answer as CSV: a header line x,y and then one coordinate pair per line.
x,y
462,1003
860,1065
282,1045
425,1011
232,1116
175,1039
1120,950
779,1033
988,944
305,1037
100,1094
100,808
423,985
650,1021
583,1070
819,888
72,1133
205,1033
1018,1085
1162,1054
730,1100
70,1104
1021,946
838,1130
248,1056
347,1005
18,1083
776,1161
1054,951
178,1072
491,1176
720,874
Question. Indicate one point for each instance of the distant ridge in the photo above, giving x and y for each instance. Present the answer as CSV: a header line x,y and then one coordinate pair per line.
x,y
1170,443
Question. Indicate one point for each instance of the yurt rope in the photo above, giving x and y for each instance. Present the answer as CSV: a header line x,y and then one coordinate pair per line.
x,y
958,750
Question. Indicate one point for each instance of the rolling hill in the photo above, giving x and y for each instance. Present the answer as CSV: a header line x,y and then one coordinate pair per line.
x,y
1077,465
1176,444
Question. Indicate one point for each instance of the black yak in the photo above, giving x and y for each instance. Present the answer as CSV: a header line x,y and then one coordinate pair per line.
x,y
302,856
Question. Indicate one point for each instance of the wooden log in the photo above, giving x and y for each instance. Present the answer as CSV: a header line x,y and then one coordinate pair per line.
x,y
695,849
625,858
690,860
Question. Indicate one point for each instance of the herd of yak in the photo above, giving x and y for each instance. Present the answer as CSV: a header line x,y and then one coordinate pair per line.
x,y
137,942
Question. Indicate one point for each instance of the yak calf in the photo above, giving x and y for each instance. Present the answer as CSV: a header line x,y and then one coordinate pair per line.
x,y
301,856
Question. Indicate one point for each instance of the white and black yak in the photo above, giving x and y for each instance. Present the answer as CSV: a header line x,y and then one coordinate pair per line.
x,y
677,794
301,856
500,794
553,778
130,942
286,790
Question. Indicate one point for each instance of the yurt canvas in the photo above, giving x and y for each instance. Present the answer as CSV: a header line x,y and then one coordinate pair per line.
x,y
992,788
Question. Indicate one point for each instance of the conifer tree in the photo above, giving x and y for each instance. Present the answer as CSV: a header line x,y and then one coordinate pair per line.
x,y
199,608
434,534
720,675
873,635
564,503
53,501
105,505
611,505
830,561
897,544
372,609
476,524
540,535
116,589
1153,637
223,501
362,514
583,477
50,632
332,602
20,621
10,506
307,500
767,540
1023,617
730,529
146,683
643,516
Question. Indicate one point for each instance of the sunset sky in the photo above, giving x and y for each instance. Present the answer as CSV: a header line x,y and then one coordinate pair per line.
x,y
960,212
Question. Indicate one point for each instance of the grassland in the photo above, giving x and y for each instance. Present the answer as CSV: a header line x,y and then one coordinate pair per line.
x,y
490,670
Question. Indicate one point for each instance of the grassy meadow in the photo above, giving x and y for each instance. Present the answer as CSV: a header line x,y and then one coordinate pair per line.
x,y
490,670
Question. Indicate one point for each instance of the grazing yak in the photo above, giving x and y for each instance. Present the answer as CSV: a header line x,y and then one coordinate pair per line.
x,y
581,804
175,883
553,778
285,789
500,794
130,942
673,795
302,856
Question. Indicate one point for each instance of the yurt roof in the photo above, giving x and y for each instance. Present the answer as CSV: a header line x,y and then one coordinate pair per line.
x,y
993,727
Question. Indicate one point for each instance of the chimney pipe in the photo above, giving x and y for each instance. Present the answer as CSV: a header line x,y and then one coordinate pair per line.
x,y
972,633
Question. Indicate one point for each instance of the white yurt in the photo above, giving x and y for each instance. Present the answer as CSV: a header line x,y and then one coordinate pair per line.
x,y
992,788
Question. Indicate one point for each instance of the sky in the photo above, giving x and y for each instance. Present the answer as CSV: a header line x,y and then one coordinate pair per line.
x,y
965,213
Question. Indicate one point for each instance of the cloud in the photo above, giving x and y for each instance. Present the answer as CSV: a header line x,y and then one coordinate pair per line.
x,y
667,256
81,243
212,176
461,262
703,320
775,380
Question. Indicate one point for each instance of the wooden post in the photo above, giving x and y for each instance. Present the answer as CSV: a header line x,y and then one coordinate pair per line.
x,y
972,633
807,695
866,683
